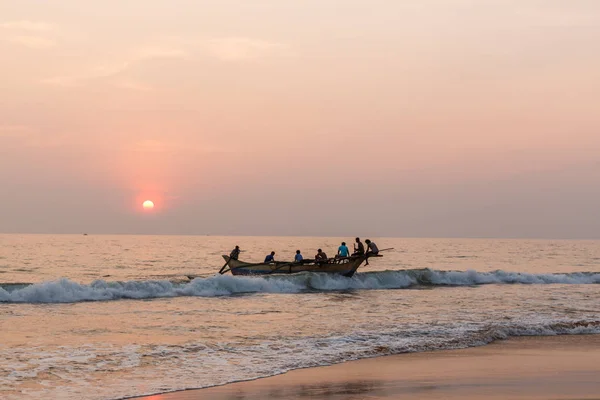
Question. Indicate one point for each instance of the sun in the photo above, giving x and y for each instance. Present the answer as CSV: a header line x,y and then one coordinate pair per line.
x,y
148,205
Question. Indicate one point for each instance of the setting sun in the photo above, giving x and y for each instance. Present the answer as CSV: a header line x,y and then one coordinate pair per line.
x,y
148,205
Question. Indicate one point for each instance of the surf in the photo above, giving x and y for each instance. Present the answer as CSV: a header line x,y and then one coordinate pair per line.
x,y
67,291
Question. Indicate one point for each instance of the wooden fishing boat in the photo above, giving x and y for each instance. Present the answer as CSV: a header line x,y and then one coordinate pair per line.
x,y
345,266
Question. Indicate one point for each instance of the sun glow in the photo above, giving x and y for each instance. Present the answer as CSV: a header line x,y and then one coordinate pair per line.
x,y
148,205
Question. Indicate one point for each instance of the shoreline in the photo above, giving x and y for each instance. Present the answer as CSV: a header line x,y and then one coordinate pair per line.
x,y
532,367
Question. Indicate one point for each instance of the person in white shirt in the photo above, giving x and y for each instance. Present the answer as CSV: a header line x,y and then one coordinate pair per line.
x,y
372,250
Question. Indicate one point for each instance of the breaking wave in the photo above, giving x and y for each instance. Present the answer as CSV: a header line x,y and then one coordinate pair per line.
x,y
67,291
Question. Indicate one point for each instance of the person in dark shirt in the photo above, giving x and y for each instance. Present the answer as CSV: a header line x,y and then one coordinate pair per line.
x,y
235,253
270,258
321,256
359,248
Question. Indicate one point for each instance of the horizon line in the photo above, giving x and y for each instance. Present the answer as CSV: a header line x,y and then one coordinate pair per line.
x,y
308,236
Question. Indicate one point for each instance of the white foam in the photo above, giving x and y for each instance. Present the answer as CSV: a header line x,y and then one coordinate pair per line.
x,y
67,291
196,365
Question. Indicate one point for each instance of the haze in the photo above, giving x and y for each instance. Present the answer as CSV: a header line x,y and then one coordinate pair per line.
x,y
455,118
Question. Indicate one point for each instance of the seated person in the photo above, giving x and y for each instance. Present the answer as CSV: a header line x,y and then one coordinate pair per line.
x,y
359,248
372,250
235,253
298,256
270,258
321,256
343,250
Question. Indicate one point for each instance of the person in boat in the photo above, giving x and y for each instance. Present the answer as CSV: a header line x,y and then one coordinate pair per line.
x,y
343,250
235,253
359,248
372,250
270,258
298,256
321,256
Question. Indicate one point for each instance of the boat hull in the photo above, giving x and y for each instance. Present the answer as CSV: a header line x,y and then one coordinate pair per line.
x,y
343,266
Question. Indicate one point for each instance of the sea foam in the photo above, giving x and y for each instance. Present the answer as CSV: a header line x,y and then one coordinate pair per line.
x,y
195,364
67,291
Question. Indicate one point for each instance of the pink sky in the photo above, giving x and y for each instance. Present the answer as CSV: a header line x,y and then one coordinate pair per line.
x,y
392,118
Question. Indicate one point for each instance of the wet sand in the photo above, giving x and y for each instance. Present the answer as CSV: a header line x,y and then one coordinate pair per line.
x,y
559,367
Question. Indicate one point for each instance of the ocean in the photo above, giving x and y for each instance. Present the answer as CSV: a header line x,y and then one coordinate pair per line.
x,y
111,317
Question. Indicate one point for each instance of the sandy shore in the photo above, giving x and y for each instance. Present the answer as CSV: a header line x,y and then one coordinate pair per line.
x,y
564,367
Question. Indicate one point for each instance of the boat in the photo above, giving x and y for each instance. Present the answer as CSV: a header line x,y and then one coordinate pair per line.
x,y
345,266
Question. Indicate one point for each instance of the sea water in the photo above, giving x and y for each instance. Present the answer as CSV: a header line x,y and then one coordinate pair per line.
x,y
109,317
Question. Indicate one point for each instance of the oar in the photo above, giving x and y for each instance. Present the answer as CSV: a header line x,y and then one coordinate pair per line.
x,y
375,255
245,265
222,270
230,269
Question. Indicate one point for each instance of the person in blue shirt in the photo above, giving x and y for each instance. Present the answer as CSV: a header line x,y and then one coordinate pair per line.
x,y
270,258
343,250
298,256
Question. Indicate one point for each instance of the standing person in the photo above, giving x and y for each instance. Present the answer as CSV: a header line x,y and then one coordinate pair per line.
x,y
235,253
298,256
270,258
359,248
372,250
343,250
321,256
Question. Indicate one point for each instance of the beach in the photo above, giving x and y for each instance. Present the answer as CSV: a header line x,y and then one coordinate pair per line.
x,y
555,367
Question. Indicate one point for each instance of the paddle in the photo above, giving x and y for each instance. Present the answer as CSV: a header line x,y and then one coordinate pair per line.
x,y
221,271
367,255
244,265
231,269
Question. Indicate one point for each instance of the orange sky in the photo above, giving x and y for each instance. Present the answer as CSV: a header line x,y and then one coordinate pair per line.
x,y
400,118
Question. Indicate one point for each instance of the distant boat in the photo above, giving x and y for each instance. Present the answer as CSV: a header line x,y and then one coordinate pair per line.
x,y
85,234
345,266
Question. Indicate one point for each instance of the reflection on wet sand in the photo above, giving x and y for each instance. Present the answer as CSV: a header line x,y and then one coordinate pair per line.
x,y
338,390
563,367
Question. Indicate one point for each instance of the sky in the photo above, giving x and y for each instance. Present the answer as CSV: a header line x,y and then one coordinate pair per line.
x,y
413,118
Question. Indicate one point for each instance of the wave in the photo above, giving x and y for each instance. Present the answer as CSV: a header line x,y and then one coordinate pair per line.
x,y
67,291
324,351
197,364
